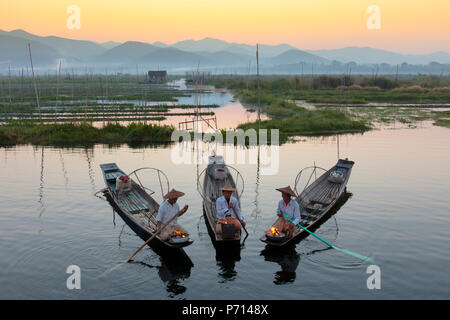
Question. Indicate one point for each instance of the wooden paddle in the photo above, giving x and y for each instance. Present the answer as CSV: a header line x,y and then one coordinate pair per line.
x,y
240,221
354,254
158,232
151,238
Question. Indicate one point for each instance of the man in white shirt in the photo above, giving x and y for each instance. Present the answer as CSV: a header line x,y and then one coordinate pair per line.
x,y
167,210
227,207
289,208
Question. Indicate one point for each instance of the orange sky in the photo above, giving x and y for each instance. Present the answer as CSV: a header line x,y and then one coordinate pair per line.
x,y
414,26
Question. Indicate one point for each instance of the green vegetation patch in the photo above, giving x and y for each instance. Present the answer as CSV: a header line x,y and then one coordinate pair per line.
x,y
442,123
83,133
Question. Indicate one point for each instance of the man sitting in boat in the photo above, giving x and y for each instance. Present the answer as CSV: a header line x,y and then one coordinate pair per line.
x,y
227,207
167,210
287,207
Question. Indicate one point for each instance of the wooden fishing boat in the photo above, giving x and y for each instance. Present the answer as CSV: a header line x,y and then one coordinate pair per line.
x,y
138,209
317,200
217,175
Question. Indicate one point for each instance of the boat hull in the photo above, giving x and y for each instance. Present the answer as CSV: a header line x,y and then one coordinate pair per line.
x,y
212,185
141,204
330,196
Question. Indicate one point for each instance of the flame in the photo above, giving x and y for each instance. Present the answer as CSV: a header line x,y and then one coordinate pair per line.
x,y
274,231
178,234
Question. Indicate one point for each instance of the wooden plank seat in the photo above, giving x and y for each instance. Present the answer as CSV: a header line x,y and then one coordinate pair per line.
x,y
131,202
112,175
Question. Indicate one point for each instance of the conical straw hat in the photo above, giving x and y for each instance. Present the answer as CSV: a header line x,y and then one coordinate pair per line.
x,y
228,187
173,194
287,190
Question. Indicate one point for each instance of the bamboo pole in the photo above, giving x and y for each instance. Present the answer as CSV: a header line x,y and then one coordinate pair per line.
x,y
73,79
57,89
258,81
21,88
34,81
9,91
3,98
87,95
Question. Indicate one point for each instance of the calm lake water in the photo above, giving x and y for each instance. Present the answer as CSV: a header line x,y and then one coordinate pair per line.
x,y
398,214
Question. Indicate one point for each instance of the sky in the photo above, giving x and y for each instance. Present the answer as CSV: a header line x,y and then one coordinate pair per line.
x,y
405,26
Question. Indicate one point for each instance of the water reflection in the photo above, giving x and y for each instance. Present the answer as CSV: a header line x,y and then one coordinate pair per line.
x,y
41,186
66,179
172,271
89,164
287,258
256,212
6,157
226,257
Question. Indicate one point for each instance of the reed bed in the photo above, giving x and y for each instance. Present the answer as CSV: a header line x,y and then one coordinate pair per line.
x,y
83,133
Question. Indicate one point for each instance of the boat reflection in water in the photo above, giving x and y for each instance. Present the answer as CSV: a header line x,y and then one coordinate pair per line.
x,y
226,257
172,271
287,258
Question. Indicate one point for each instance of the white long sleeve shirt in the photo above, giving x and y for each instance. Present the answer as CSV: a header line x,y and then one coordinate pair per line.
x,y
166,212
223,211
291,210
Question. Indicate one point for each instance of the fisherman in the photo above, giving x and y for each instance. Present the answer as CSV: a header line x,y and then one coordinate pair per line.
x,y
227,208
167,210
289,208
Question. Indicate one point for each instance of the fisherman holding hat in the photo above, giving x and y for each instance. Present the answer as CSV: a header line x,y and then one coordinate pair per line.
x,y
168,209
227,207
289,208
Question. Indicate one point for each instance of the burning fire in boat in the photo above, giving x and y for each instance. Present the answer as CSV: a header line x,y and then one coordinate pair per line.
x,y
274,232
178,234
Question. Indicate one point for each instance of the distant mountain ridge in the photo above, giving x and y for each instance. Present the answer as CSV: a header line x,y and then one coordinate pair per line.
x,y
187,54
368,55
126,52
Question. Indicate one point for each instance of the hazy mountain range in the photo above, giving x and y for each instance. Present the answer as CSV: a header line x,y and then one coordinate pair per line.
x,y
187,54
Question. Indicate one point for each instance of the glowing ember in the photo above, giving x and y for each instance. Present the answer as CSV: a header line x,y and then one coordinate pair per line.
x,y
179,234
274,231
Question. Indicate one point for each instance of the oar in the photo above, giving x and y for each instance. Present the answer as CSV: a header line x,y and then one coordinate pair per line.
x,y
157,232
354,254
150,239
240,221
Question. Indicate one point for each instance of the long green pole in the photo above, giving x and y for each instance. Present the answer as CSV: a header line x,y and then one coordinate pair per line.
x,y
354,254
